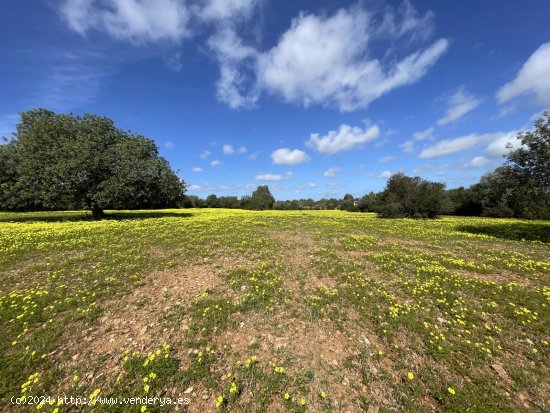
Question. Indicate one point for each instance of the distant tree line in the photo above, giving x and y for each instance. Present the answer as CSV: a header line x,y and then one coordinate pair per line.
x,y
519,188
58,162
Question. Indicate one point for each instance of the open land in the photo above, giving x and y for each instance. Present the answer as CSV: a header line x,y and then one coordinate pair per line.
x,y
241,311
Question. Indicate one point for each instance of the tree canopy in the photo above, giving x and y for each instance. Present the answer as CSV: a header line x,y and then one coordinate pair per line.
x,y
412,197
260,199
61,161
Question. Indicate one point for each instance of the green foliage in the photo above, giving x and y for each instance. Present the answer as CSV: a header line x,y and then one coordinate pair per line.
x,y
348,203
369,202
406,197
59,161
466,201
260,200
212,201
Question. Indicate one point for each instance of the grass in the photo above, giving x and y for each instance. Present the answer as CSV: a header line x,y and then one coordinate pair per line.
x,y
243,311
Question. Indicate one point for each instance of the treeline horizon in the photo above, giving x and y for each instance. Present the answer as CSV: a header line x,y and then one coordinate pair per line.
x,y
67,162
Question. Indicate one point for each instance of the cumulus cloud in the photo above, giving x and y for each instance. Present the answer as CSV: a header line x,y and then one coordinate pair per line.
x,y
459,104
136,21
205,154
215,162
345,138
532,79
320,60
273,177
231,150
285,156
237,61
197,169
327,61
331,172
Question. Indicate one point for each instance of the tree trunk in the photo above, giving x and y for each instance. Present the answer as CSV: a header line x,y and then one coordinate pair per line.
x,y
97,212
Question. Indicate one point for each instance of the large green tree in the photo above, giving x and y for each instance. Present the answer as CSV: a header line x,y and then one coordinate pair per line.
x,y
260,200
521,187
59,161
412,197
527,172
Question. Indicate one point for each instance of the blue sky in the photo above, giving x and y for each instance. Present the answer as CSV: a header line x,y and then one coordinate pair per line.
x,y
314,98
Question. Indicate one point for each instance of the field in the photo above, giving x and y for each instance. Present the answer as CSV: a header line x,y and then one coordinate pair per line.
x,y
318,311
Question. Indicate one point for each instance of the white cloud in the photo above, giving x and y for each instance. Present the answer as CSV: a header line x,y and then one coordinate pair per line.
x,y
273,177
215,162
495,144
197,169
385,159
168,145
234,188
406,21
450,146
424,135
532,79
498,145
385,175
459,104
254,155
331,172
136,21
407,146
477,162
345,138
327,61
285,156
227,9
234,86
312,185
231,150
205,154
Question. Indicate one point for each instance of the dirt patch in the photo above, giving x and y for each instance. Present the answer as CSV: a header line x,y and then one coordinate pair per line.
x,y
134,322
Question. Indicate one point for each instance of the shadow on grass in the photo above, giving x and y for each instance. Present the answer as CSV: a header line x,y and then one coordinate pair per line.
x,y
73,216
519,231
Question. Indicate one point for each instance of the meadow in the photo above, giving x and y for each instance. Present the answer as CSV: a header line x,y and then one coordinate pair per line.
x,y
294,311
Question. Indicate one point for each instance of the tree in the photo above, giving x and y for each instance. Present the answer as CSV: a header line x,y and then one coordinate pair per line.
x,y
527,172
368,203
65,161
348,203
412,197
212,201
466,201
260,200
229,202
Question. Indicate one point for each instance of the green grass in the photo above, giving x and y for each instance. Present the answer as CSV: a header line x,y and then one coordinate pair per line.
x,y
241,308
